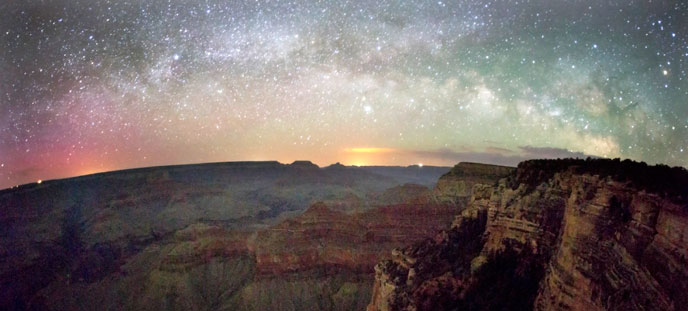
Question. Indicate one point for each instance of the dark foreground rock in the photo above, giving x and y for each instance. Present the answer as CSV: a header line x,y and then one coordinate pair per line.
x,y
555,235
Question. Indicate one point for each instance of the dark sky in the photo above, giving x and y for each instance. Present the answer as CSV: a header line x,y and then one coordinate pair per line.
x,y
88,86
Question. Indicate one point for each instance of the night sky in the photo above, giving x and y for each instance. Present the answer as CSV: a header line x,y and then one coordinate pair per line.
x,y
89,86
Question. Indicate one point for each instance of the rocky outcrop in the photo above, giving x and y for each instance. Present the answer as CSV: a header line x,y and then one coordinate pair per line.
x,y
328,239
406,193
198,244
569,234
328,243
459,181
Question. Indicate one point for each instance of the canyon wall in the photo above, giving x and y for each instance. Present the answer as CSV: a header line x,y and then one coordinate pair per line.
x,y
459,181
568,234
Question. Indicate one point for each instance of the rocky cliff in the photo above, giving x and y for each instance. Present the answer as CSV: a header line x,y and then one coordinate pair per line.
x,y
553,235
459,181
324,238
327,238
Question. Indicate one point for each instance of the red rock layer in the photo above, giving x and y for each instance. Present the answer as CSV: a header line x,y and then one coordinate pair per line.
x,y
596,235
325,238
199,243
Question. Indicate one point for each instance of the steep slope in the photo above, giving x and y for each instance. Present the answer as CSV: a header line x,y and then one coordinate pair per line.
x,y
406,193
324,238
335,252
324,259
459,181
567,234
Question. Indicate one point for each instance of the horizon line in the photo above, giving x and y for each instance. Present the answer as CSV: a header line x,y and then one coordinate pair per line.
x,y
135,168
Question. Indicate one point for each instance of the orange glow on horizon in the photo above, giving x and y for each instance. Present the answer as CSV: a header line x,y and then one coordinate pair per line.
x,y
364,156
93,170
369,150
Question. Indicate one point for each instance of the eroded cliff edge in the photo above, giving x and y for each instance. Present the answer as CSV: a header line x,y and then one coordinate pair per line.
x,y
554,235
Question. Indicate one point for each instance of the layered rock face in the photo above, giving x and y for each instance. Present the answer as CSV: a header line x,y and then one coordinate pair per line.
x,y
459,181
198,244
324,238
403,194
571,235
335,252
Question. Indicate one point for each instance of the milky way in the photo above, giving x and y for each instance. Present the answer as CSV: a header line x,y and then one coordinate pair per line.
x,y
89,86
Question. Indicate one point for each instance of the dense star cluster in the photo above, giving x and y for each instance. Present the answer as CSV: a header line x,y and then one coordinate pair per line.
x,y
88,86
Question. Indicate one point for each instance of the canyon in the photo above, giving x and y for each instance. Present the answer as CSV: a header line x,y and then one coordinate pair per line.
x,y
592,234
248,235
142,238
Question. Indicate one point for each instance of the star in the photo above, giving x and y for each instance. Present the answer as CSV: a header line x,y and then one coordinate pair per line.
x,y
87,86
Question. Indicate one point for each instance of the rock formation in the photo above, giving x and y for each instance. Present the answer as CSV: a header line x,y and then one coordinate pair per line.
x,y
406,193
554,235
324,238
459,181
